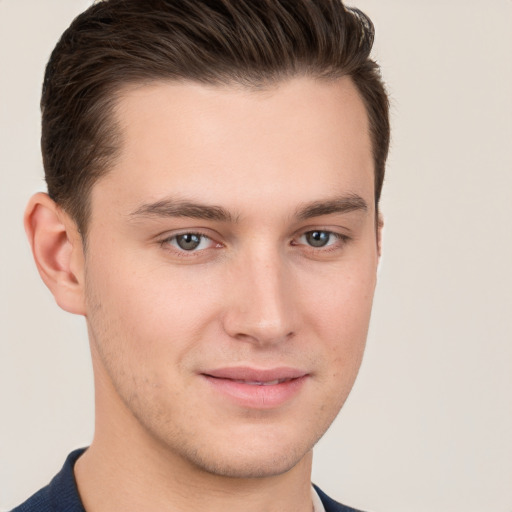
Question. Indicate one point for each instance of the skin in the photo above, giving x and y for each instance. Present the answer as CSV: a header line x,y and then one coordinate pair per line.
x,y
255,293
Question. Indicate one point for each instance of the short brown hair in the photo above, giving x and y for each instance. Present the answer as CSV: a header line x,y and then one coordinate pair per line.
x,y
248,42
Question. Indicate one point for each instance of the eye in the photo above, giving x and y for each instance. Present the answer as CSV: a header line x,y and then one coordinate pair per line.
x,y
189,242
319,238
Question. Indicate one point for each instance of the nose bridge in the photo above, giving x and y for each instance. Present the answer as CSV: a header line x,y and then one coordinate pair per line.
x,y
262,307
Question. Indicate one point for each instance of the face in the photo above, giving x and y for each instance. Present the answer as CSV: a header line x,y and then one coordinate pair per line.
x,y
230,270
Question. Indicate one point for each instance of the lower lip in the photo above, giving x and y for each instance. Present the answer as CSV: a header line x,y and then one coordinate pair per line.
x,y
256,396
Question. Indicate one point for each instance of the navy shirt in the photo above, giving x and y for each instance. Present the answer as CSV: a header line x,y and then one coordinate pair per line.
x,y
61,494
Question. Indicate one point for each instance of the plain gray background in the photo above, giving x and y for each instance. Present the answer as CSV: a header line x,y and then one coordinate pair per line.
x,y
428,426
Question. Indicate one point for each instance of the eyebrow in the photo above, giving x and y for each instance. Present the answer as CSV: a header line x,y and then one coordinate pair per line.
x,y
183,208
342,204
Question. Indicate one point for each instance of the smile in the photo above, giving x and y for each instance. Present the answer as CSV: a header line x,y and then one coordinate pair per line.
x,y
256,388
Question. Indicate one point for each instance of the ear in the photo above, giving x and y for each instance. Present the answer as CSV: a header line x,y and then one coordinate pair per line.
x,y
58,251
380,229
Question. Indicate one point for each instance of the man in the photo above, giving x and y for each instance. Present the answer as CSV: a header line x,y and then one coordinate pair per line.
x,y
214,169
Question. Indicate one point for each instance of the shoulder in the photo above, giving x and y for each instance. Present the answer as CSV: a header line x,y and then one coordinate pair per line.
x,y
60,495
40,502
333,506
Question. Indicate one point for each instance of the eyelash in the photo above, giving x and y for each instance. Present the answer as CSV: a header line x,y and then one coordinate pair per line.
x,y
332,245
167,244
339,241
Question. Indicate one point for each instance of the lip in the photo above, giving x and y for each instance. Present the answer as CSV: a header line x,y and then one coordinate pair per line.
x,y
256,388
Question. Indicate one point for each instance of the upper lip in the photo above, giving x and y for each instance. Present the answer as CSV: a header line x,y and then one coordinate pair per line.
x,y
249,374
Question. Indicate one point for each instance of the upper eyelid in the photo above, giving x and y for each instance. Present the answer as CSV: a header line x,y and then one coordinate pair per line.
x,y
338,236
190,232
339,232
167,235
196,233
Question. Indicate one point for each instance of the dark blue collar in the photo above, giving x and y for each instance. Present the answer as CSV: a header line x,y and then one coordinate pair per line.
x,y
60,495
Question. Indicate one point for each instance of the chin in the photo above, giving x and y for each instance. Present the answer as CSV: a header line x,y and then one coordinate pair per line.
x,y
247,453
249,465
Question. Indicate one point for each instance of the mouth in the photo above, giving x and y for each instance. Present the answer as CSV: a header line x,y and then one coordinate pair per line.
x,y
256,388
260,383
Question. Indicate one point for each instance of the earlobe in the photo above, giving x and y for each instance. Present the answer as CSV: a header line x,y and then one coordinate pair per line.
x,y
58,253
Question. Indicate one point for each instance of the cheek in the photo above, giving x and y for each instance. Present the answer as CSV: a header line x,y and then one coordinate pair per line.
x,y
150,308
343,299
341,314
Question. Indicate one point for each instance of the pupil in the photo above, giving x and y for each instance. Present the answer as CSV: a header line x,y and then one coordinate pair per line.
x,y
317,238
188,242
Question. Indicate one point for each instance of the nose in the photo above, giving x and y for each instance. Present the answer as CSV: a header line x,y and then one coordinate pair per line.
x,y
262,307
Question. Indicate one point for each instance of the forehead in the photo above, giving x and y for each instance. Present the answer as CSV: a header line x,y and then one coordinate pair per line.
x,y
295,140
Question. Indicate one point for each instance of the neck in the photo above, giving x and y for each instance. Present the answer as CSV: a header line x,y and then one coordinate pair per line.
x,y
126,469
